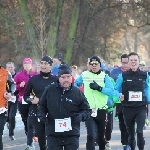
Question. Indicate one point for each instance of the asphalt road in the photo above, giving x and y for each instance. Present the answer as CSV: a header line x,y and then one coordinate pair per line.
x,y
20,142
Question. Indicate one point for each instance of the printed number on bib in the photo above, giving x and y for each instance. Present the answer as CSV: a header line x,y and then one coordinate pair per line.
x,y
94,112
62,125
12,99
135,96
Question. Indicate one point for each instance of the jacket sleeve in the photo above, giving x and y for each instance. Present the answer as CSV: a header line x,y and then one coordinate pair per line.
x,y
16,79
28,91
147,88
11,83
78,81
42,108
84,108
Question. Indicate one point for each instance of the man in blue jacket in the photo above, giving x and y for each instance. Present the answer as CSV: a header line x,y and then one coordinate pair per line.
x,y
134,84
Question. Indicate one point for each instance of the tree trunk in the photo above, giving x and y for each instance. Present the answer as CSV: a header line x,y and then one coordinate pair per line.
x,y
29,29
72,30
54,28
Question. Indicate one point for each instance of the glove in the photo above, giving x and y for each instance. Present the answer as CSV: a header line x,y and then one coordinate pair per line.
x,y
43,120
95,86
77,118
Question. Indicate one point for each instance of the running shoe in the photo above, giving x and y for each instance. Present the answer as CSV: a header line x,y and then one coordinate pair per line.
x,y
127,147
12,137
30,147
147,121
107,147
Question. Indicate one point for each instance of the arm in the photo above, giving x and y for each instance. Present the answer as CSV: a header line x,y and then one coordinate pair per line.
x,y
42,108
11,83
147,88
27,92
78,81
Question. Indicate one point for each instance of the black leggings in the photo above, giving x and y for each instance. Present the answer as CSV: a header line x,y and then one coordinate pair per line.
x,y
24,110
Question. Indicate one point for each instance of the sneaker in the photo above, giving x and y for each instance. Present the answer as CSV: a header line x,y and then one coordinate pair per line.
x,y
12,137
107,147
30,147
144,128
127,147
147,121
116,118
35,139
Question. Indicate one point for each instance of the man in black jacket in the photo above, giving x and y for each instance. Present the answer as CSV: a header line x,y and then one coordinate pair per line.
x,y
33,92
65,107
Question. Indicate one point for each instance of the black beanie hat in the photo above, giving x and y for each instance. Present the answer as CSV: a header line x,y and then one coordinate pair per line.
x,y
58,56
95,58
47,59
64,69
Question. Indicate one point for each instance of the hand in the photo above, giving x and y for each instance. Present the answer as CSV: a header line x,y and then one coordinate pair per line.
x,y
95,86
35,100
43,120
7,95
77,118
22,84
121,97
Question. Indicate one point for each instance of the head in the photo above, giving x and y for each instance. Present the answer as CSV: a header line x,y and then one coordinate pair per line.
x,y
27,64
34,67
46,64
124,62
95,64
74,70
133,61
57,59
65,77
142,66
10,67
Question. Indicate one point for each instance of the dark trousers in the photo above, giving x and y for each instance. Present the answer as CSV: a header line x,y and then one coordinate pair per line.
x,y
24,110
58,143
122,126
96,130
132,115
12,110
2,123
34,125
109,126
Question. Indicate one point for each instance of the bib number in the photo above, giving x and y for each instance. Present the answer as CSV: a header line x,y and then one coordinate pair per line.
x,y
12,99
94,112
135,96
62,125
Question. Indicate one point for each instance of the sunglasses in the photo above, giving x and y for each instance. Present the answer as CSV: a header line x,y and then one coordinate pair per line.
x,y
94,63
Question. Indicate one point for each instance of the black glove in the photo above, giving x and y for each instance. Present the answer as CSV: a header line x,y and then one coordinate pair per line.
x,y
95,86
77,118
42,118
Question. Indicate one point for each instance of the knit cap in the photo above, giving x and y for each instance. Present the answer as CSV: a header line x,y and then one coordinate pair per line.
x,y
47,59
64,69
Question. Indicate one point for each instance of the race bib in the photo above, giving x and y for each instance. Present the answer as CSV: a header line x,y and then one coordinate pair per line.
x,y
2,110
62,125
135,96
23,102
94,112
12,99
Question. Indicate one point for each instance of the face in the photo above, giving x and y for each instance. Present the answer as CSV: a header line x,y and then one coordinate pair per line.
x,y
95,67
133,62
56,61
10,68
45,66
27,66
142,68
65,80
124,62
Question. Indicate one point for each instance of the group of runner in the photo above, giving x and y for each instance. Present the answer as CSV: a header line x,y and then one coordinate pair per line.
x,y
51,107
